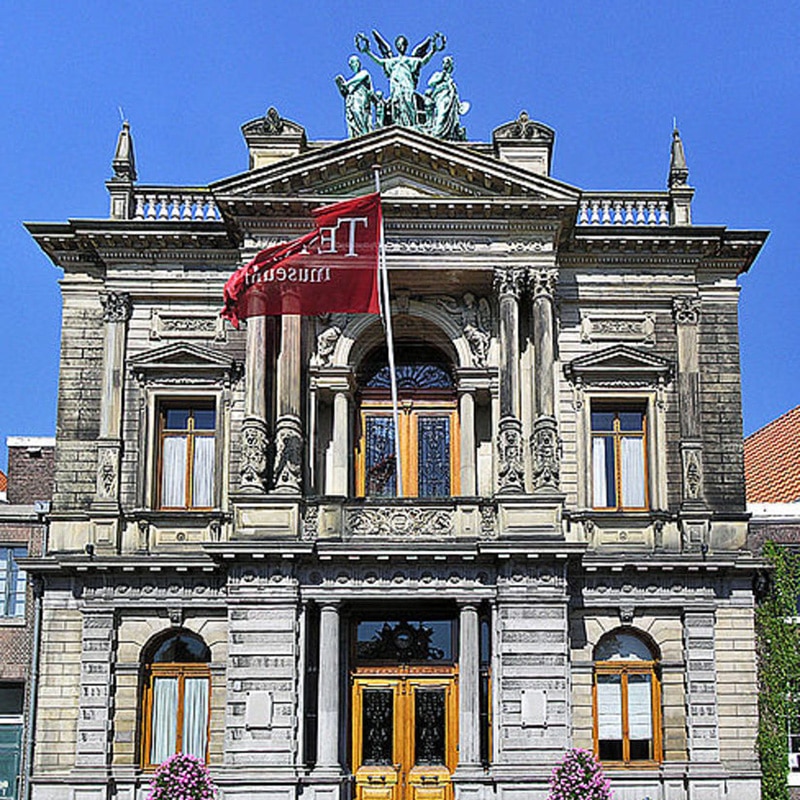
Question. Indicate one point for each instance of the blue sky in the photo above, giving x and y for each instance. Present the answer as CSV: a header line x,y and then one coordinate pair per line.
x,y
609,77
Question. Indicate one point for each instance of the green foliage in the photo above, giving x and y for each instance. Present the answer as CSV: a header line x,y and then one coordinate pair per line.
x,y
778,669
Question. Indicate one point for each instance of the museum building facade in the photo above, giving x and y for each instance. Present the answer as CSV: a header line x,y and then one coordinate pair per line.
x,y
231,572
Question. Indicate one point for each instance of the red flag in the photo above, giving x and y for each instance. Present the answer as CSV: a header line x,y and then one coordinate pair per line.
x,y
334,268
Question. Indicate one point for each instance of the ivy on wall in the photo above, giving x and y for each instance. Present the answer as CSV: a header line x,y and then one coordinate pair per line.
x,y
778,668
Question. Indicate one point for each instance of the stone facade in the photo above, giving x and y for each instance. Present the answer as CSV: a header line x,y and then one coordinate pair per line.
x,y
549,307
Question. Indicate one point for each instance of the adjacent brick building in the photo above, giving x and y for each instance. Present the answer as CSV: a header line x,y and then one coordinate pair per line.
x,y
22,532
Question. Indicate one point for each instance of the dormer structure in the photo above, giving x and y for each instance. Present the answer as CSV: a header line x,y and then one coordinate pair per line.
x,y
231,569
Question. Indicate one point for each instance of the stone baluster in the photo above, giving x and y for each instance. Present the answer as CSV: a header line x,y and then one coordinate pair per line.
x,y
545,445
510,467
253,470
288,426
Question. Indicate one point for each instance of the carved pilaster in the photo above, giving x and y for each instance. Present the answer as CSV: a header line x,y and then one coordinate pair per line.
x,y
510,468
288,470
253,470
546,451
686,310
108,454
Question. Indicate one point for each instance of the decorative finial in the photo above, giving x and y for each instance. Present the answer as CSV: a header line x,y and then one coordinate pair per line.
x,y
124,163
678,171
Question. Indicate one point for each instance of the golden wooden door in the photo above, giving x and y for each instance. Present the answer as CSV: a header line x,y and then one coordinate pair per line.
x,y
405,730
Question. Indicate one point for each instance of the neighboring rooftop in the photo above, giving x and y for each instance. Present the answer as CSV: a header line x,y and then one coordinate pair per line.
x,y
772,461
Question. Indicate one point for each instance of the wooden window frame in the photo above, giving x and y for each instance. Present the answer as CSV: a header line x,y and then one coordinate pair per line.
x,y
617,434
624,669
12,570
190,404
181,671
410,410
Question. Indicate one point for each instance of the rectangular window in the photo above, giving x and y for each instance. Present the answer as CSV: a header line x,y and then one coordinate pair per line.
x,y
12,583
187,455
619,468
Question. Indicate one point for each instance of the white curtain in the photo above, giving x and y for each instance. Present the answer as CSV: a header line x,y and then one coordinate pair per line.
x,y
203,472
640,722
195,717
632,472
19,588
609,708
165,719
173,472
599,472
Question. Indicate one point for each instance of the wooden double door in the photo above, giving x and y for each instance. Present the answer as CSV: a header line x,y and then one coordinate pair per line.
x,y
405,734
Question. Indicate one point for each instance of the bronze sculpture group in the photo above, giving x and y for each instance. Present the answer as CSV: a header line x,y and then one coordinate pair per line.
x,y
436,112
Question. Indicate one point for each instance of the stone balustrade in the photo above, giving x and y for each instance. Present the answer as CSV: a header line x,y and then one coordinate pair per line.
x,y
162,204
624,208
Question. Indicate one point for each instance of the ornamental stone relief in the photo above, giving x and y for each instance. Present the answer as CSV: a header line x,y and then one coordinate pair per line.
x,y
686,310
641,329
185,325
647,588
543,282
508,282
288,454
546,450
107,469
117,306
400,522
387,575
329,330
510,470
475,319
253,469
153,588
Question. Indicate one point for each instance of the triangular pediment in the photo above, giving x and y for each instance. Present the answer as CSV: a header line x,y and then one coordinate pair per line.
x,y
619,363
412,164
182,359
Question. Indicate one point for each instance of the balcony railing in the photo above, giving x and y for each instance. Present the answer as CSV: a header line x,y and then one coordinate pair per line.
x,y
624,208
174,204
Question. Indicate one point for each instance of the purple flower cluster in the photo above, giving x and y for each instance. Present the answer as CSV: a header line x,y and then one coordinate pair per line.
x,y
182,777
579,776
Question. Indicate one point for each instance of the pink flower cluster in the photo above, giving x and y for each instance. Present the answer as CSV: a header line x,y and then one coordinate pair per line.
x,y
182,777
579,776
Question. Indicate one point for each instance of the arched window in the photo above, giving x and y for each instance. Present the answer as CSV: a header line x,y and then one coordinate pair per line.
x,y
427,421
176,698
627,701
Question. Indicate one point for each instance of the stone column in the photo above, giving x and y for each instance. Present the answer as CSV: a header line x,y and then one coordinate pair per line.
x,y
469,472
544,441
329,681
253,471
686,311
510,467
95,717
469,755
116,313
337,482
288,473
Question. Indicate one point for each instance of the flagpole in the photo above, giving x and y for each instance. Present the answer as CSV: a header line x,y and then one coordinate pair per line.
x,y
387,321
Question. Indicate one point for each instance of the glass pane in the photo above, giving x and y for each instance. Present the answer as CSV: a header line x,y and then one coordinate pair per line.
x,y
203,472
17,585
10,750
604,491
429,726
5,564
182,650
633,472
195,717
165,719
609,716
622,647
403,642
602,420
381,478
12,698
640,716
433,434
173,472
177,419
377,727
204,419
631,420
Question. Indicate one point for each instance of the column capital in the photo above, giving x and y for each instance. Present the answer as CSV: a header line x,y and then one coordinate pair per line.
x,y
508,282
542,282
686,310
117,306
